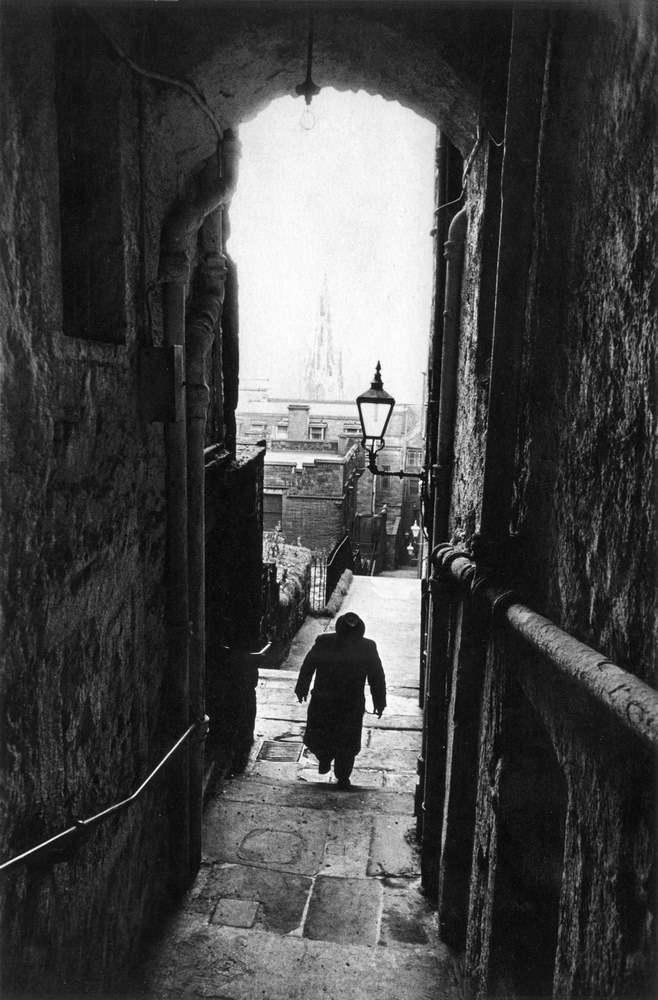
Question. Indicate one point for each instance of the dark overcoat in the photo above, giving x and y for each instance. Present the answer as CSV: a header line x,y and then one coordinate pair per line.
x,y
335,713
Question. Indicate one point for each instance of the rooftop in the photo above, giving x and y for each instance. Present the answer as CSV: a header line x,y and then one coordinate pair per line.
x,y
299,458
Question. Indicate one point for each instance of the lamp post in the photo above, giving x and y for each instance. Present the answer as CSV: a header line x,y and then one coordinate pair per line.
x,y
375,407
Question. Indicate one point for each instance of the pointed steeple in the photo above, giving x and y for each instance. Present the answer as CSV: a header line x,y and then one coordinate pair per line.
x,y
323,375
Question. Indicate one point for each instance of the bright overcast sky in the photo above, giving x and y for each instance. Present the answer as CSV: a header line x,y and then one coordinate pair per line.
x,y
352,199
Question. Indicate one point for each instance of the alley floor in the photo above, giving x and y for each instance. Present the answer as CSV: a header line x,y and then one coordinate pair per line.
x,y
305,890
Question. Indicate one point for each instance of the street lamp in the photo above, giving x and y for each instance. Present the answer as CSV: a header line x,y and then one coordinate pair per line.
x,y
375,407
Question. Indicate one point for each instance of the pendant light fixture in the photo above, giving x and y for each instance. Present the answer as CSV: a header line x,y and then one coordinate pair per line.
x,y
308,89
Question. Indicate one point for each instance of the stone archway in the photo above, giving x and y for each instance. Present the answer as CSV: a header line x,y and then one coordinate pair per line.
x,y
446,64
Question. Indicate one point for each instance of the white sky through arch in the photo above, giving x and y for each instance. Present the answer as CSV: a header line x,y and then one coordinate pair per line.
x,y
352,199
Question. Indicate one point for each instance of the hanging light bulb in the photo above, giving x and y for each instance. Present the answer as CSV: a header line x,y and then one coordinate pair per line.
x,y
308,89
307,121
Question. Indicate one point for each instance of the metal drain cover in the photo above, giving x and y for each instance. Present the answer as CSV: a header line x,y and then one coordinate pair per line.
x,y
280,751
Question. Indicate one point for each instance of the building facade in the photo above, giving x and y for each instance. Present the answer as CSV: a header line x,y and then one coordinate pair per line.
x,y
324,436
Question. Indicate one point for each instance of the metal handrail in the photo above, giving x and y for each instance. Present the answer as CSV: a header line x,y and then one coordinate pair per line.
x,y
82,826
339,559
632,701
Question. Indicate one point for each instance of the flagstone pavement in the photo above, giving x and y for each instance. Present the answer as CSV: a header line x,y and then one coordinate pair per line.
x,y
305,890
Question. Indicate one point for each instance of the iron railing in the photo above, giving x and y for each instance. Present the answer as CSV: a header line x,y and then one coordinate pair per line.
x,y
318,580
632,701
74,835
340,559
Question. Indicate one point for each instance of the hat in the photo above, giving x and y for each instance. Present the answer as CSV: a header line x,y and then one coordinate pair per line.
x,y
350,626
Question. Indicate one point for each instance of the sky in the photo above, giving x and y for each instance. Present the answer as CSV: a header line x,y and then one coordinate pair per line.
x,y
352,199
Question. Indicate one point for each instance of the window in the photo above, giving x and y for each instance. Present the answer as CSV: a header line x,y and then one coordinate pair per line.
x,y
281,431
272,510
352,429
386,480
413,458
316,432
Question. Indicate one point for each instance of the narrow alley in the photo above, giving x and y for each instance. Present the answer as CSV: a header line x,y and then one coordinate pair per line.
x,y
188,435
306,890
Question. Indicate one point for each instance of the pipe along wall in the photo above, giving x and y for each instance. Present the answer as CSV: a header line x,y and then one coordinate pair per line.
x,y
195,217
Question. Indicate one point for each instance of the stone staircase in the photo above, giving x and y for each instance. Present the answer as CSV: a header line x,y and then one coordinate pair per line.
x,y
307,891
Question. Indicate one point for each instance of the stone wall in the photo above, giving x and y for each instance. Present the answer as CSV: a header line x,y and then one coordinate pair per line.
x,y
583,510
585,494
293,574
318,501
82,538
317,521
94,157
473,359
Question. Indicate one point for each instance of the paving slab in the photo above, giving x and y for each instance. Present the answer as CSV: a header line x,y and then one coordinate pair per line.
x,y
308,772
205,961
265,836
387,739
235,912
275,694
282,895
397,704
277,676
361,779
317,795
406,918
405,691
276,729
388,759
404,782
297,713
393,849
345,910
347,849
282,710
405,723
268,770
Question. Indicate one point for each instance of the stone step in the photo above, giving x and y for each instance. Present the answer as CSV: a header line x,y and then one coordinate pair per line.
x,y
309,841
319,796
297,713
206,959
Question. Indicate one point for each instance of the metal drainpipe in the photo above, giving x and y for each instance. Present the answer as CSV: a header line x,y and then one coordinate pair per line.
x,y
440,233
448,184
433,384
205,312
175,436
454,254
528,64
215,185
436,682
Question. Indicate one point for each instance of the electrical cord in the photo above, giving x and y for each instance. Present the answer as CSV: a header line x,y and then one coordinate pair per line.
x,y
467,168
171,81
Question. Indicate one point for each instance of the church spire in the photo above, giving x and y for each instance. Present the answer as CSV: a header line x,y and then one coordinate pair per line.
x,y
323,374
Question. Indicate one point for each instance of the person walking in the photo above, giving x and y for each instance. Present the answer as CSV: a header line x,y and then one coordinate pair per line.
x,y
342,662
